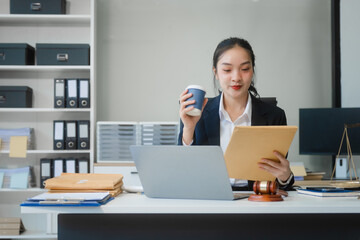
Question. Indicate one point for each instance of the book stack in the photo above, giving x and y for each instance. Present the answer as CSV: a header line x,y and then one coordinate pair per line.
x,y
314,175
11,226
303,174
85,183
298,169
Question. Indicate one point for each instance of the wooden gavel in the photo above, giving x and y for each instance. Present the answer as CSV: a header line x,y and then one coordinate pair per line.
x,y
266,191
265,187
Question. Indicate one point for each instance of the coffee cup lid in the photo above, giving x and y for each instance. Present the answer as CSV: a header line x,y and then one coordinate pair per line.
x,y
197,87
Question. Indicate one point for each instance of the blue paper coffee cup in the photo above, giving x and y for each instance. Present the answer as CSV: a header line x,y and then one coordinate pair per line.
x,y
198,94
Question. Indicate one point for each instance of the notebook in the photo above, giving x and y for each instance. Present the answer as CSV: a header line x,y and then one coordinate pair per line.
x,y
179,172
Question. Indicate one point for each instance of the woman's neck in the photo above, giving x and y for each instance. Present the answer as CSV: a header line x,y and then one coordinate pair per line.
x,y
235,107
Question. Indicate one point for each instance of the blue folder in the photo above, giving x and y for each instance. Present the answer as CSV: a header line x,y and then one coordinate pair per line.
x,y
68,200
63,204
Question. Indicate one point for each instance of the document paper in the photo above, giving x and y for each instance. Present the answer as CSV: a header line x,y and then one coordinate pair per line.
x,y
18,146
248,145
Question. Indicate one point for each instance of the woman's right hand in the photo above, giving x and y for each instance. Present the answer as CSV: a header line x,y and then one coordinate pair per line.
x,y
188,121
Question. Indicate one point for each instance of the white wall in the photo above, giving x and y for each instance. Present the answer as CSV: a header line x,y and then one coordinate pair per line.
x,y
350,52
150,50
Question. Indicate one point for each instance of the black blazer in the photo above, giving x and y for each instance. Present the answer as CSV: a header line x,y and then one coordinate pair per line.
x,y
207,130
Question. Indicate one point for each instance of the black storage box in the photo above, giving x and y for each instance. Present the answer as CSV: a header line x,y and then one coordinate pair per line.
x,y
15,97
37,7
62,54
16,54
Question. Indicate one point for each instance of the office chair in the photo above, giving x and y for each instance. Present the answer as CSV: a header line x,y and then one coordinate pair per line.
x,y
269,100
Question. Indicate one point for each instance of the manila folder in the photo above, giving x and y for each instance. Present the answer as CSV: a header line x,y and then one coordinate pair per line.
x,y
248,145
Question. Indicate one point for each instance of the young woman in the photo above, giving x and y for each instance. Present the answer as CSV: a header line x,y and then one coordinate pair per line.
x,y
237,105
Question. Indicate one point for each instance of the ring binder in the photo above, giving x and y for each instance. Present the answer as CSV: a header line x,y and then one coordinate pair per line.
x,y
70,165
84,93
70,138
83,134
58,167
59,129
46,170
59,93
72,93
83,164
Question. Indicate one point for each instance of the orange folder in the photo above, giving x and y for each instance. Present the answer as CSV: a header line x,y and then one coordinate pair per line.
x,y
248,145
84,181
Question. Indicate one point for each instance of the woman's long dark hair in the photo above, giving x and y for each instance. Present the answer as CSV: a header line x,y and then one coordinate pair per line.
x,y
229,43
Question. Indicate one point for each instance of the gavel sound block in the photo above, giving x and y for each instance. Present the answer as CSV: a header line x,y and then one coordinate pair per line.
x,y
265,191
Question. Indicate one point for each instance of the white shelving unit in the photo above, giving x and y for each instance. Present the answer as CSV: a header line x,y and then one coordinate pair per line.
x,y
45,19
51,151
31,235
32,110
35,68
76,26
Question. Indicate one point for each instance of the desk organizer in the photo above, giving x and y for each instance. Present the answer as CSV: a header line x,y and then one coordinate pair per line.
x,y
115,138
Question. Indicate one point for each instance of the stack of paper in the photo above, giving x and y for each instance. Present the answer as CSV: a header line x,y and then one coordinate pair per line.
x,y
85,183
328,192
6,134
17,177
11,226
314,175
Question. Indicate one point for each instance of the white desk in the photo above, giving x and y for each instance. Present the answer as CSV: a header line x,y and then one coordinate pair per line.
x,y
135,203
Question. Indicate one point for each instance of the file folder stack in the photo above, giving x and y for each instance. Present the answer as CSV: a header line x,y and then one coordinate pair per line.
x,y
159,133
71,93
17,178
114,139
85,183
11,226
71,135
6,134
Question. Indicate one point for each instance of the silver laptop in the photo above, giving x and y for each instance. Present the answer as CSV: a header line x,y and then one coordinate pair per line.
x,y
192,172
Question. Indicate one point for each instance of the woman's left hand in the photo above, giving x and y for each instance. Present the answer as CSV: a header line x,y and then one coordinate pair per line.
x,y
281,170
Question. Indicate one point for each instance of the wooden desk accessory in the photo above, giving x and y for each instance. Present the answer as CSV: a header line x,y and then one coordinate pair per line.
x,y
265,191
